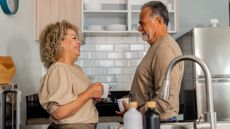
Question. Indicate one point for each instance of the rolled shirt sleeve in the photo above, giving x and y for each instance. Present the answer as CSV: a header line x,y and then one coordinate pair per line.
x,y
163,58
55,89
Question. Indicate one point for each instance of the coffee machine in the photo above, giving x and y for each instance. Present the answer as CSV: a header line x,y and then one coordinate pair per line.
x,y
9,106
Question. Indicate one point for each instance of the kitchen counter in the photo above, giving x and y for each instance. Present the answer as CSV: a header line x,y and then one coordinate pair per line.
x,y
42,123
38,121
106,125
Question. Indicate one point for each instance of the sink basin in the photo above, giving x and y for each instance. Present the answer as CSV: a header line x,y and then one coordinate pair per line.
x,y
180,125
223,125
189,125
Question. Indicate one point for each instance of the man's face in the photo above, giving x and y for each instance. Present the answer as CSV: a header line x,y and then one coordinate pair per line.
x,y
147,25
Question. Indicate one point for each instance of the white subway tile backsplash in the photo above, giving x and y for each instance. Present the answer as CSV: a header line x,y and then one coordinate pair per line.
x,y
105,47
112,59
126,86
89,47
130,39
98,39
122,47
98,55
85,55
98,71
114,39
106,78
114,55
122,63
122,78
89,63
128,70
137,47
131,55
140,40
106,63
87,40
135,62
115,71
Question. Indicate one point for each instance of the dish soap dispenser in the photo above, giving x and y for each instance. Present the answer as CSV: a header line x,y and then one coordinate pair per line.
x,y
133,118
151,119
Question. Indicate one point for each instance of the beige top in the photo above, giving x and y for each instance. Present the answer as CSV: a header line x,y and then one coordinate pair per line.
x,y
150,74
62,84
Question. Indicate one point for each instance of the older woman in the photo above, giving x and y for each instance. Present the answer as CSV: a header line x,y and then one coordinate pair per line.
x,y
66,92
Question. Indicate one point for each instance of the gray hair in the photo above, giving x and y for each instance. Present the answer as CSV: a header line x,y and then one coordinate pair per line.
x,y
158,9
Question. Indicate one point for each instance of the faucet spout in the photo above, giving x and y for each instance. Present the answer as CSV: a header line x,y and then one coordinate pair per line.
x,y
211,116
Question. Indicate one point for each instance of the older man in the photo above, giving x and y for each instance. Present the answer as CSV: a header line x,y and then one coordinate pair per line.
x,y
150,72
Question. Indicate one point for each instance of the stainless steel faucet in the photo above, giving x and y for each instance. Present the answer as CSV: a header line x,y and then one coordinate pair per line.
x,y
211,115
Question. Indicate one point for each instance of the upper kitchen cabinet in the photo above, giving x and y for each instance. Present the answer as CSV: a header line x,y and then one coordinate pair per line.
x,y
49,11
102,17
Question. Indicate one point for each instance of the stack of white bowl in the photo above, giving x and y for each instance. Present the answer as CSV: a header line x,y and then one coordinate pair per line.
x,y
93,6
116,27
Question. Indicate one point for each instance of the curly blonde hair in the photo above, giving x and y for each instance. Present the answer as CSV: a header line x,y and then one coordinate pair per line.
x,y
50,41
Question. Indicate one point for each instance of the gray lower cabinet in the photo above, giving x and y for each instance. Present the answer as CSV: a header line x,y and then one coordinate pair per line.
x,y
34,126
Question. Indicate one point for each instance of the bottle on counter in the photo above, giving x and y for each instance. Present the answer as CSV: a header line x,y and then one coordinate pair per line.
x,y
133,118
151,118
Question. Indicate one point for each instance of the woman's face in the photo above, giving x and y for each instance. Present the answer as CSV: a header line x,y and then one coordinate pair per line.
x,y
71,44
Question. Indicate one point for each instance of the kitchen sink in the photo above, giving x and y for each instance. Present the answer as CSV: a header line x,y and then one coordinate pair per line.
x,y
189,125
178,125
223,125
181,125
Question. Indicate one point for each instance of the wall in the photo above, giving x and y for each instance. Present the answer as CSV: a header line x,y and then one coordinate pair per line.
x,y
17,40
195,13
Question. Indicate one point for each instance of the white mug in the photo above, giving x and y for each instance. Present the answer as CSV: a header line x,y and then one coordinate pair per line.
x,y
105,90
120,104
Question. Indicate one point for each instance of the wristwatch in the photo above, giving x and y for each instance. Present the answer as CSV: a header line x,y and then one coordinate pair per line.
x,y
9,7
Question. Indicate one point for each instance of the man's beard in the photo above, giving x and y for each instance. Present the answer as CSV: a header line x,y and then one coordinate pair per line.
x,y
145,37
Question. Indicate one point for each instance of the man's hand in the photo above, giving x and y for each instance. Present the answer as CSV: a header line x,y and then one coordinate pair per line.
x,y
97,99
125,107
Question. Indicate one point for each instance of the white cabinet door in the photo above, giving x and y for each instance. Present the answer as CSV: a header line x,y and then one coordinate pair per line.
x,y
34,126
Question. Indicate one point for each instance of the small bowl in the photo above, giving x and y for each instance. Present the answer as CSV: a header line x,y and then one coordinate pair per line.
x,y
92,6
